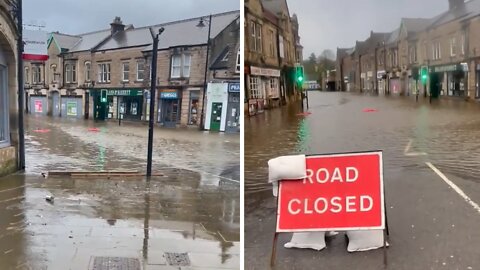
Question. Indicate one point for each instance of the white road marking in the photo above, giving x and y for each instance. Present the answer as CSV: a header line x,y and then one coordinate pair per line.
x,y
412,154
454,187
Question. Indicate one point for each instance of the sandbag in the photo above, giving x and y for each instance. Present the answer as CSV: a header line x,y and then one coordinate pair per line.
x,y
364,240
312,240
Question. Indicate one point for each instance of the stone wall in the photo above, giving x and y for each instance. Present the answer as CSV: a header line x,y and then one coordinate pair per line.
x,y
7,161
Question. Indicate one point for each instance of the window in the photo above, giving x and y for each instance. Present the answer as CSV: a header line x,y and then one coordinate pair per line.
x,y
254,87
104,73
255,37
36,74
4,115
88,70
453,47
436,51
413,54
462,42
187,59
181,64
140,70
274,88
71,73
237,68
271,42
125,71
53,72
26,75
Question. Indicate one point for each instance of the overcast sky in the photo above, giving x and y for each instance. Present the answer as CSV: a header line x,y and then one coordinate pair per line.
x,y
80,16
328,24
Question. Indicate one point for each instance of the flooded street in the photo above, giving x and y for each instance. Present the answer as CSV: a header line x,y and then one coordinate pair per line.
x,y
188,218
429,222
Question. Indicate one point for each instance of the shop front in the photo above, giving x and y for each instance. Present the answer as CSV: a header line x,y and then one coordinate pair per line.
x,y
233,108
477,82
38,104
121,103
381,78
169,107
216,110
71,106
395,85
263,89
452,79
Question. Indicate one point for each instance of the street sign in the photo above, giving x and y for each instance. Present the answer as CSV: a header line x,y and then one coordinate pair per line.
x,y
341,192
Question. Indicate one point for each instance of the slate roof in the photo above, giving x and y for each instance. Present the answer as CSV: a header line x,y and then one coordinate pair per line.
x,y
65,41
275,6
186,32
414,25
177,33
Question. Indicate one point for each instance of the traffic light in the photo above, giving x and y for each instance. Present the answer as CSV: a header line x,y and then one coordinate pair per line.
x,y
299,74
103,95
424,74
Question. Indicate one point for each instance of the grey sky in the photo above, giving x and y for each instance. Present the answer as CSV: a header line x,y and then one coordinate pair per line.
x,y
328,24
80,16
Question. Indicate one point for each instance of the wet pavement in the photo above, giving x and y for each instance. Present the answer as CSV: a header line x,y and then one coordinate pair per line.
x,y
431,225
188,218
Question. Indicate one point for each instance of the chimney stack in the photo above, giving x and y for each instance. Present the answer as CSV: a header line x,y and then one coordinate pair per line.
x,y
117,25
454,4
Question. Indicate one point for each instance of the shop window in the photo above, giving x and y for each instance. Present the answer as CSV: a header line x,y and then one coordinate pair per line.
x,y
194,108
274,87
254,87
104,73
125,72
4,132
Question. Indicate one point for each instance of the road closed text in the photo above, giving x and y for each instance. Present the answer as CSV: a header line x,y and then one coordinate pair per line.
x,y
340,191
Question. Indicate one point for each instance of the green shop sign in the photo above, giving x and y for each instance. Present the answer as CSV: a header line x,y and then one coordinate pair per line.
x,y
450,68
124,92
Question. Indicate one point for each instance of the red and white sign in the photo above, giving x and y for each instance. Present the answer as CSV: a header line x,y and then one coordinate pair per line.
x,y
35,45
342,192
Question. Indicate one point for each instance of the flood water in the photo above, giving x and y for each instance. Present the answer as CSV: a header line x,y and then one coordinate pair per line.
x,y
447,131
192,208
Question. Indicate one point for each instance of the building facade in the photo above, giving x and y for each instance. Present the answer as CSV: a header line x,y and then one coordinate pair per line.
x,y
106,74
446,45
272,48
9,131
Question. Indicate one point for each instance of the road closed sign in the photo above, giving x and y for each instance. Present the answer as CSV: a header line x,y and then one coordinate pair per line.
x,y
341,192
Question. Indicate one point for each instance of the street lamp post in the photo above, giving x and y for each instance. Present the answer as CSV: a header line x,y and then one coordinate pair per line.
x,y
201,24
153,86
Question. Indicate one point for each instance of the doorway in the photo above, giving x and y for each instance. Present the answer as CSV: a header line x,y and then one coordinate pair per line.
x,y
216,117
56,103
170,110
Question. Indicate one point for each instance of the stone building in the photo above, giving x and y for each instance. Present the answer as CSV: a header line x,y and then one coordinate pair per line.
x,y
446,45
116,62
272,48
9,124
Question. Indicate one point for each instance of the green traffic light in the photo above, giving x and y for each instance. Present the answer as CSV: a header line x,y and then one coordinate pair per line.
x,y
300,79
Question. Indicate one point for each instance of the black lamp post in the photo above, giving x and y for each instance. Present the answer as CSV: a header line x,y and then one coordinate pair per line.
x,y
153,86
201,24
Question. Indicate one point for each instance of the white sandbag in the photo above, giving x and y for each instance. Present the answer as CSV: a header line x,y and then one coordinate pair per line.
x,y
364,240
287,168
312,240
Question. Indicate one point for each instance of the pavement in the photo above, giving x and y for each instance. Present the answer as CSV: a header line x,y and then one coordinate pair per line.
x,y
431,164
187,218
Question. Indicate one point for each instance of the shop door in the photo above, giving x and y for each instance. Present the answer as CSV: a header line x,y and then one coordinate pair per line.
x,y
233,114
216,117
38,105
56,103
434,85
170,112
100,109
71,107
